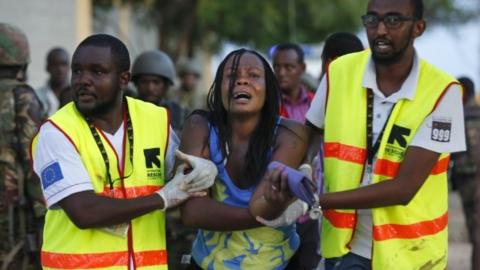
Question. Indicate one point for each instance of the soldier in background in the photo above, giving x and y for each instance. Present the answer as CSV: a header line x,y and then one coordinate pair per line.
x,y
21,201
153,73
58,67
475,148
465,165
187,94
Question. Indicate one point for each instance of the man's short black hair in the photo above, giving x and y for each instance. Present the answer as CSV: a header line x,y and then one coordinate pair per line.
x,y
340,43
291,46
417,9
468,88
119,51
54,51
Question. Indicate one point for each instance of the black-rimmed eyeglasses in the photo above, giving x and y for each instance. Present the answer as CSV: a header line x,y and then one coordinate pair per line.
x,y
391,21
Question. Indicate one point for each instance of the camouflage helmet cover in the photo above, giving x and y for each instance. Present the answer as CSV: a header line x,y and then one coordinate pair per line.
x,y
13,46
154,63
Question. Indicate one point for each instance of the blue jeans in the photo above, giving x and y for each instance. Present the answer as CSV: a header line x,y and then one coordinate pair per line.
x,y
350,261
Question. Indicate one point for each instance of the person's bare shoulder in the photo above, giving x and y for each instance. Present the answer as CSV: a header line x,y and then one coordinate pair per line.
x,y
196,121
291,143
289,128
195,135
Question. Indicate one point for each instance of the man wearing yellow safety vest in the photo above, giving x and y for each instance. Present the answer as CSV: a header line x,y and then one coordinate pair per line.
x,y
390,120
103,161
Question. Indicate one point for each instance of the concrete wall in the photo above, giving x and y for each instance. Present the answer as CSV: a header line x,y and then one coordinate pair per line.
x,y
48,23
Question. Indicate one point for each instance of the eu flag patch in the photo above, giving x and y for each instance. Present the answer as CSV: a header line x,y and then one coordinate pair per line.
x,y
51,174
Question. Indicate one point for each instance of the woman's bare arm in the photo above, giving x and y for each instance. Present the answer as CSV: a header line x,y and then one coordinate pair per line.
x,y
290,149
205,212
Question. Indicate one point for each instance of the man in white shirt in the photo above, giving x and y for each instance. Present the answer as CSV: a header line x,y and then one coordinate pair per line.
x,y
393,75
103,161
58,64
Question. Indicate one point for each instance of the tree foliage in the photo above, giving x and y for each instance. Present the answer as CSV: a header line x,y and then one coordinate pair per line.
x,y
267,22
187,25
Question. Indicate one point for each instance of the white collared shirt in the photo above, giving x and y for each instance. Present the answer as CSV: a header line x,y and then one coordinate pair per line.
x,y
54,150
449,109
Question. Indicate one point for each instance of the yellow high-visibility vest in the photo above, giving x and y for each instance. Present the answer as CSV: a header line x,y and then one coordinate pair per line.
x,y
65,246
404,237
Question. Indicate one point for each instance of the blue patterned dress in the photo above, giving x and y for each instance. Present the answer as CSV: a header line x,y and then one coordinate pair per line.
x,y
258,248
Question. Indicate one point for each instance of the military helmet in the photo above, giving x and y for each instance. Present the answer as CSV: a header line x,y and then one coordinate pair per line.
x,y
190,66
13,46
154,63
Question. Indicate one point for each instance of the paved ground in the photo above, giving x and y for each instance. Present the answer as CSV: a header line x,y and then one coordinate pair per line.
x,y
460,250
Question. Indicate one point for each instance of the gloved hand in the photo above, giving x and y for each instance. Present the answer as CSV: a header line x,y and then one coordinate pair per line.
x,y
288,217
172,194
306,169
202,175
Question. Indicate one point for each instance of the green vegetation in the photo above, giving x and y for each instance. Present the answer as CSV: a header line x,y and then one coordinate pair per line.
x,y
185,26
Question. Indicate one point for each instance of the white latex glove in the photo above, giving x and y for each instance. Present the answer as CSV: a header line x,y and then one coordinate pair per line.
x,y
172,194
295,210
306,169
202,175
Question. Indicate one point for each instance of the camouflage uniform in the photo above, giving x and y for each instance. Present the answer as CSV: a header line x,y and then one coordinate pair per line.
x,y
465,176
193,99
177,114
21,201
470,188
465,166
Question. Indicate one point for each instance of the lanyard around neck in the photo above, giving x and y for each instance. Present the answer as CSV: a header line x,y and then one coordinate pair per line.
x,y
372,149
127,120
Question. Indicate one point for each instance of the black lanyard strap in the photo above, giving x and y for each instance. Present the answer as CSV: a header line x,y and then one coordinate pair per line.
x,y
102,149
372,151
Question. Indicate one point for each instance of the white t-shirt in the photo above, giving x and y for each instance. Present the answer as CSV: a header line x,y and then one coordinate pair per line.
x,y
60,167
449,110
48,98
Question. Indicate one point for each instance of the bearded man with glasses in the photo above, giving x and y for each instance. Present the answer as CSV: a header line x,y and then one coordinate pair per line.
x,y
390,121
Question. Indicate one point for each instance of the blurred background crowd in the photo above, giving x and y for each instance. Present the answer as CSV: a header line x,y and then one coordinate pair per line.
x,y
183,41
207,30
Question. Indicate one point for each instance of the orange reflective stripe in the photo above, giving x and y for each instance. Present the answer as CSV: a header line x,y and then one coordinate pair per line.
x,y
441,166
345,152
386,167
132,192
151,257
409,231
76,261
101,260
340,219
390,168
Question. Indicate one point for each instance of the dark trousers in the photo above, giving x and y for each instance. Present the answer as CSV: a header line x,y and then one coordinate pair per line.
x,y
193,265
350,261
306,257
